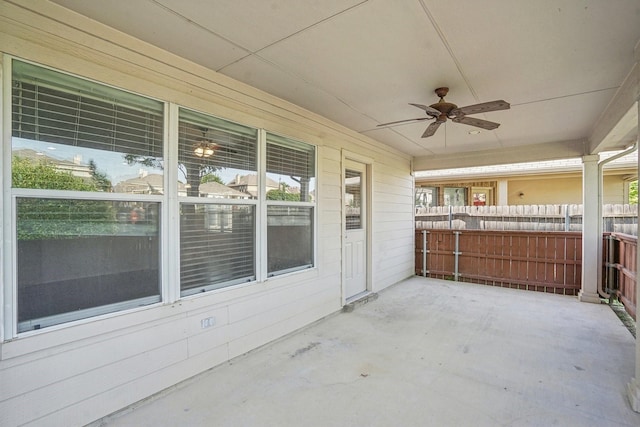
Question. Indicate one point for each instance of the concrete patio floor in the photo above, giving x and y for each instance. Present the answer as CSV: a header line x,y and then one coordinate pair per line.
x,y
426,353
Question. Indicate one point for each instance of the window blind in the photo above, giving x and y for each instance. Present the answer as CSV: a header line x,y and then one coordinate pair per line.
x,y
58,108
216,246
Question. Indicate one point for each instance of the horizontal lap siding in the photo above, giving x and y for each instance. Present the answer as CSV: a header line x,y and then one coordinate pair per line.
x,y
392,213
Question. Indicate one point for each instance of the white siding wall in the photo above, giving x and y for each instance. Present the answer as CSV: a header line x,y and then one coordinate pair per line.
x,y
73,374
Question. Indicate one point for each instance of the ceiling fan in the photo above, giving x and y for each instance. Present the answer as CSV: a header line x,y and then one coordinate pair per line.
x,y
443,110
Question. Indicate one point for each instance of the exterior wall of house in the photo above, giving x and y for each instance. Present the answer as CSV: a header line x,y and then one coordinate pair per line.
x,y
563,189
74,373
542,189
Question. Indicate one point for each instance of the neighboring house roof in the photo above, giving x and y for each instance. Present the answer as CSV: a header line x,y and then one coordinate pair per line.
x,y
215,189
145,184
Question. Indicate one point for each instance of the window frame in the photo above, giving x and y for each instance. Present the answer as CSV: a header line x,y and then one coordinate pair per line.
x,y
169,209
296,204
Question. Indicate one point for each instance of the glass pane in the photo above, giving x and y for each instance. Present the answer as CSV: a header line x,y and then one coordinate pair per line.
x,y
217,158
289,238
217,246
353,199
290,170
101,138
426,197
455,196
79,258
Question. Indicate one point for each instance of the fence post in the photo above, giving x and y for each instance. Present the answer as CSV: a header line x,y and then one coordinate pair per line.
x,y
424,253
456,255
567,219
450,217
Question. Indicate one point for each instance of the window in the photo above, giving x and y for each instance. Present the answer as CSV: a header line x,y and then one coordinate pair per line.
x,y
455,196
426,197
78,252
91,193
290,194
217,164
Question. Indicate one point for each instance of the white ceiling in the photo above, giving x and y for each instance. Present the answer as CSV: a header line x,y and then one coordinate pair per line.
x,y
359,63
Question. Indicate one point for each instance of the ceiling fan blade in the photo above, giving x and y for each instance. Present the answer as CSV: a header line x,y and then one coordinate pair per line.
x,y
485,107
430,111
403,121
433,127
472,121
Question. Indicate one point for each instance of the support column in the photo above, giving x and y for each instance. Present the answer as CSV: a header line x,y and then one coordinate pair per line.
x,y
633,388
503,190
591,234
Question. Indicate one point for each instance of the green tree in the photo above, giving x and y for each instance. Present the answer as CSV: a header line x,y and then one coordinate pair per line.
x,y
211,177
633,193
282,194
46,218
99,178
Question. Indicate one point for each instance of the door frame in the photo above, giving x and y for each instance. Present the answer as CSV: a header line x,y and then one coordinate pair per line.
x,y
367,163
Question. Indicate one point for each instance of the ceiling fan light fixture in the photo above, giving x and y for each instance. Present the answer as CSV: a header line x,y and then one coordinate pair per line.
x,y
203,148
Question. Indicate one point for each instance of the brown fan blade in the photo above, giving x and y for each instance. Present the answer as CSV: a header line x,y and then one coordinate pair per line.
x,y
403,121
485,107
433,127
429,110
472,121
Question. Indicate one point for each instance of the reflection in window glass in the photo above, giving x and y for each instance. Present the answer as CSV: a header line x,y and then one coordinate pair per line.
x,y
70,127
289,238
217,246
217,158
290,170
80,258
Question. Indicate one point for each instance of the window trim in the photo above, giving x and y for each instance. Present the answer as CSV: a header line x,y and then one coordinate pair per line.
x,y
168,228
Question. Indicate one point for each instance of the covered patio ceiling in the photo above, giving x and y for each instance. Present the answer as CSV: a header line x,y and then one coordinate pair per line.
x,y
569,68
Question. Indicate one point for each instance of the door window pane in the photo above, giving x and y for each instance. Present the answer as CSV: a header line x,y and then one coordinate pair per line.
x,y
353,199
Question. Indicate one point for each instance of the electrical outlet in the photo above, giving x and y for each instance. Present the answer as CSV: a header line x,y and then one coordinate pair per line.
x,y
207,322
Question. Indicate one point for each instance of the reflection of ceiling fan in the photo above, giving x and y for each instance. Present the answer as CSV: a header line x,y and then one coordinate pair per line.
x,y
442,110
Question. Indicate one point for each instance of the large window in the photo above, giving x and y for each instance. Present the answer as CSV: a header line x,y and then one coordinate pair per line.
x,y
95,207
78,252
217,164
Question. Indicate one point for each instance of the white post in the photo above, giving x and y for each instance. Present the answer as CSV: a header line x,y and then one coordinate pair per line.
x,y
503,190
591,235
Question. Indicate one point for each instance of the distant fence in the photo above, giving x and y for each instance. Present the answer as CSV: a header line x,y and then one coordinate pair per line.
x,y
540,261
616,218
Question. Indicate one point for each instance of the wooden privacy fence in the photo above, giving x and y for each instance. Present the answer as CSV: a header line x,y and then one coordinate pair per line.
x,y
532,260
621,258
539,261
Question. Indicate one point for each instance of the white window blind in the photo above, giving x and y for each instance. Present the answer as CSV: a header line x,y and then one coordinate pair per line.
x,y
54,107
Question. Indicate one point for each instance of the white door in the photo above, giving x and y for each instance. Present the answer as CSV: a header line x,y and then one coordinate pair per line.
x,y
355,244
